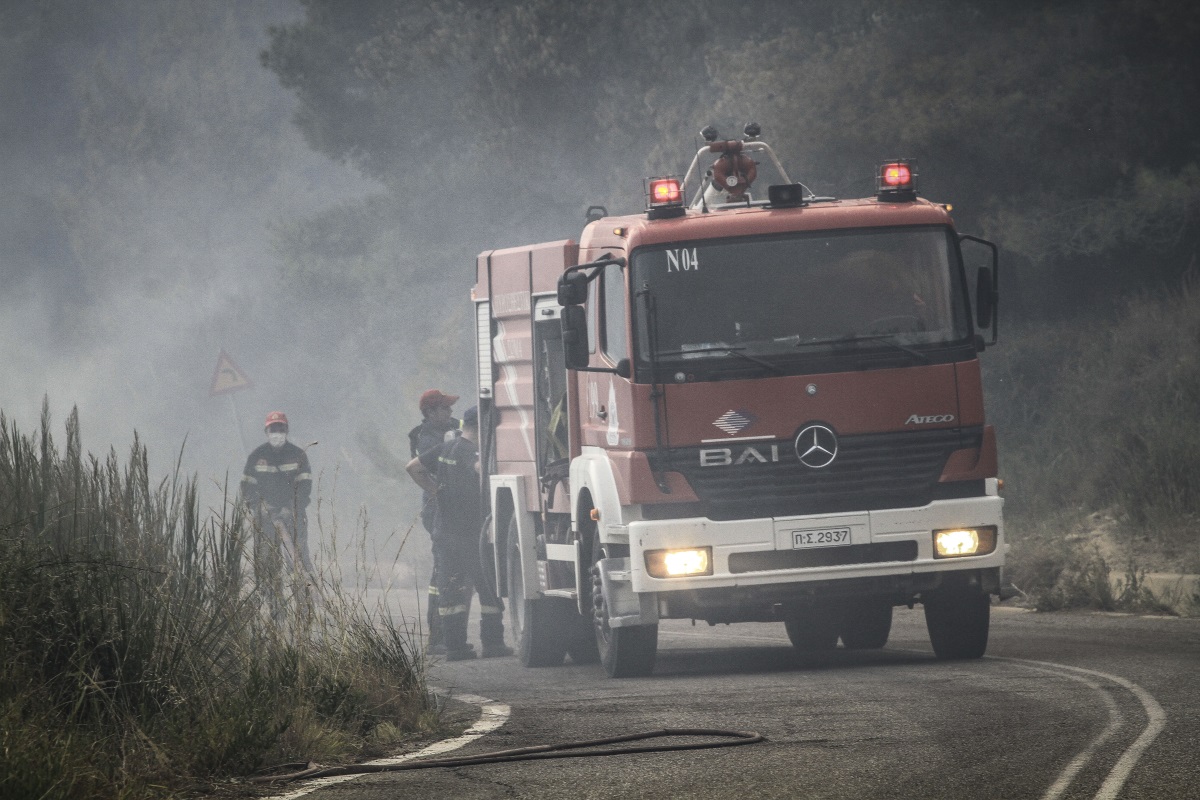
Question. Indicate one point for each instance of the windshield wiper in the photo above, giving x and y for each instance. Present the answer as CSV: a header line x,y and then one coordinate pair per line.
x,y
737,351
886,338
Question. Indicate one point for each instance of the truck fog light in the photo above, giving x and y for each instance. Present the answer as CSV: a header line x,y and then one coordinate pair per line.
x,y
677,563
964,542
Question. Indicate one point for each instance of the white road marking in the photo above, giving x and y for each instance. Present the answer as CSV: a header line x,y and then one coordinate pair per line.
x,y
492,716
1156,720
1115,720
1156,717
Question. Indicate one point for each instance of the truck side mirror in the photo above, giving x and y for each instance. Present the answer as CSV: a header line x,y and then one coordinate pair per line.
x,y
987,289
572,290
574,332
985,302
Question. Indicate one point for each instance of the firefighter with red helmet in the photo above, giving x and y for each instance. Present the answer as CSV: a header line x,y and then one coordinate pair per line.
x,y
276,487
437,425
450,473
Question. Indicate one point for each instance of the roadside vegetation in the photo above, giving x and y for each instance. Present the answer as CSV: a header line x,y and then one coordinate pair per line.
x,y
1100,450
138,657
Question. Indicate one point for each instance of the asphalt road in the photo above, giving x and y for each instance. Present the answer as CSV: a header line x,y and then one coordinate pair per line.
x,y
1063,706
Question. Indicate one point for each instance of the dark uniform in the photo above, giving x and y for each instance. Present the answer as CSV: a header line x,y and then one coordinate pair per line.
x,y
456,533
422,439
276,485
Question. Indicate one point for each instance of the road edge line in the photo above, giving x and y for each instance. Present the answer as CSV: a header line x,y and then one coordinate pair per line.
x,y
492,715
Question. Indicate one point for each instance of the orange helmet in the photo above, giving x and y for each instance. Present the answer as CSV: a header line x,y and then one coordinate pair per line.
x,y
435,398
274,417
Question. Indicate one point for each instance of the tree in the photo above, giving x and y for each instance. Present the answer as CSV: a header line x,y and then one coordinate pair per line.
x,y
1027,117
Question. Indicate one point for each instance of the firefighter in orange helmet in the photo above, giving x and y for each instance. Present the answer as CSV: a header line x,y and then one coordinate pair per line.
x,y
276,487
450,473
437,425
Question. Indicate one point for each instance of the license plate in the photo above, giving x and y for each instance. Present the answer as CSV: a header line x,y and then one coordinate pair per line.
x,y
821,537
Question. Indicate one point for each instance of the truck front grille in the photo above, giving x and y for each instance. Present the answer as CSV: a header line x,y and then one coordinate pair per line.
x,y
872,471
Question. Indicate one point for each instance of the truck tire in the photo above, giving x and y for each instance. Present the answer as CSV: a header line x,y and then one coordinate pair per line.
x,y
811,634
626,652
958,624
537,624
866,625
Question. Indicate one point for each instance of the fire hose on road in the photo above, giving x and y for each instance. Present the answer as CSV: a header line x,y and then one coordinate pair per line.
x,y
725,738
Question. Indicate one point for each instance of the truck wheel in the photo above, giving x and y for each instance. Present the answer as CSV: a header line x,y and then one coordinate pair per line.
x,y
811,634
958,624
626,652
537,623
866,625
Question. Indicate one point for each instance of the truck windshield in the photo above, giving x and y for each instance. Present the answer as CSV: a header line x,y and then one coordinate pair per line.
x,y
895,290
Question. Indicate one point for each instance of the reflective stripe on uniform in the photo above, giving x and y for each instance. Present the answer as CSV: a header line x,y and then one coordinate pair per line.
x,y
289,467
433,590
265,468
490,609
249,479
303,476
449,611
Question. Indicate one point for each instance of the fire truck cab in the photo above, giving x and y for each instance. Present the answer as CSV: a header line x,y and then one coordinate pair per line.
x,y
737,408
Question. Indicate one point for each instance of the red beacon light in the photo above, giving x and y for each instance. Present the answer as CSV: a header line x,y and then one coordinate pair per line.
x,y
666,198
897,181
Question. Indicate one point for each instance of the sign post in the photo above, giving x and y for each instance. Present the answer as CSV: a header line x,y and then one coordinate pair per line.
x,y
229,379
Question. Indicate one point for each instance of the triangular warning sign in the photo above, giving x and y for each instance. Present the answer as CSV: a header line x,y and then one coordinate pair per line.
x,y
228,376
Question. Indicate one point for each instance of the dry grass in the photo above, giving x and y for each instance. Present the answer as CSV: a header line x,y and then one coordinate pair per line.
x,y
139,658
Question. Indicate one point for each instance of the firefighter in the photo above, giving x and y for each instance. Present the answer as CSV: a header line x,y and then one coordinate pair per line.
x,y
450,473
276,486
437,425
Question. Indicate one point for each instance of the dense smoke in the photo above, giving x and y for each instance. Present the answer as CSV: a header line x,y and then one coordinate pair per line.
x,y
150,162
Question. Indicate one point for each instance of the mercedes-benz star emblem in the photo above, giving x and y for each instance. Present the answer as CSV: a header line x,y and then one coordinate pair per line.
x,y
816,446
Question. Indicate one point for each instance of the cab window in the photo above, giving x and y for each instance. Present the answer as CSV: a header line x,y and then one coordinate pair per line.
x,y
612,288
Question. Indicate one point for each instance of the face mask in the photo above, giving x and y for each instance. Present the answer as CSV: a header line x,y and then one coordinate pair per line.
x,y
276,439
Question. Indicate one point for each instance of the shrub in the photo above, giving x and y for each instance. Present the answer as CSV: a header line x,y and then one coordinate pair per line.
x,y
1094,417
139,654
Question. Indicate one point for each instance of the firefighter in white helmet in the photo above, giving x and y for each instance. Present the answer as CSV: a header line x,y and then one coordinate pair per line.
x,y
276,487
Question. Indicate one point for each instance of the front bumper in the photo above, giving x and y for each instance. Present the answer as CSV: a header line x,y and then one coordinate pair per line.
x,y
759,553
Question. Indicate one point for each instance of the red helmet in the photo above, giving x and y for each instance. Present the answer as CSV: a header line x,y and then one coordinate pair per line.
x,y
435,398
274,417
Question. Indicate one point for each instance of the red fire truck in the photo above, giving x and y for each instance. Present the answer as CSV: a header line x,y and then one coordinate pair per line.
x,y
736,408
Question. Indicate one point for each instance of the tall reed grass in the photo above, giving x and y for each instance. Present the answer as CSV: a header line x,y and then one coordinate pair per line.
x,y
1099,419
138,656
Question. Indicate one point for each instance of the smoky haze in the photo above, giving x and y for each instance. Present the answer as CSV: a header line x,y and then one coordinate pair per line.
x,y
164,197
149,165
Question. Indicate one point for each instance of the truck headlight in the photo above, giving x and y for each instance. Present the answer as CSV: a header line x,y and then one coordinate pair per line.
x,y
678,563
955,542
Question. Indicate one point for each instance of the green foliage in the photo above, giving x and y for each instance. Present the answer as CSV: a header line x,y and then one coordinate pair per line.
x,y
533,93
139,653
1096,416
1061,131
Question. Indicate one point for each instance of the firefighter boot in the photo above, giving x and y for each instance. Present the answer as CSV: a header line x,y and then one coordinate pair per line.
x,y
454,631
491,630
